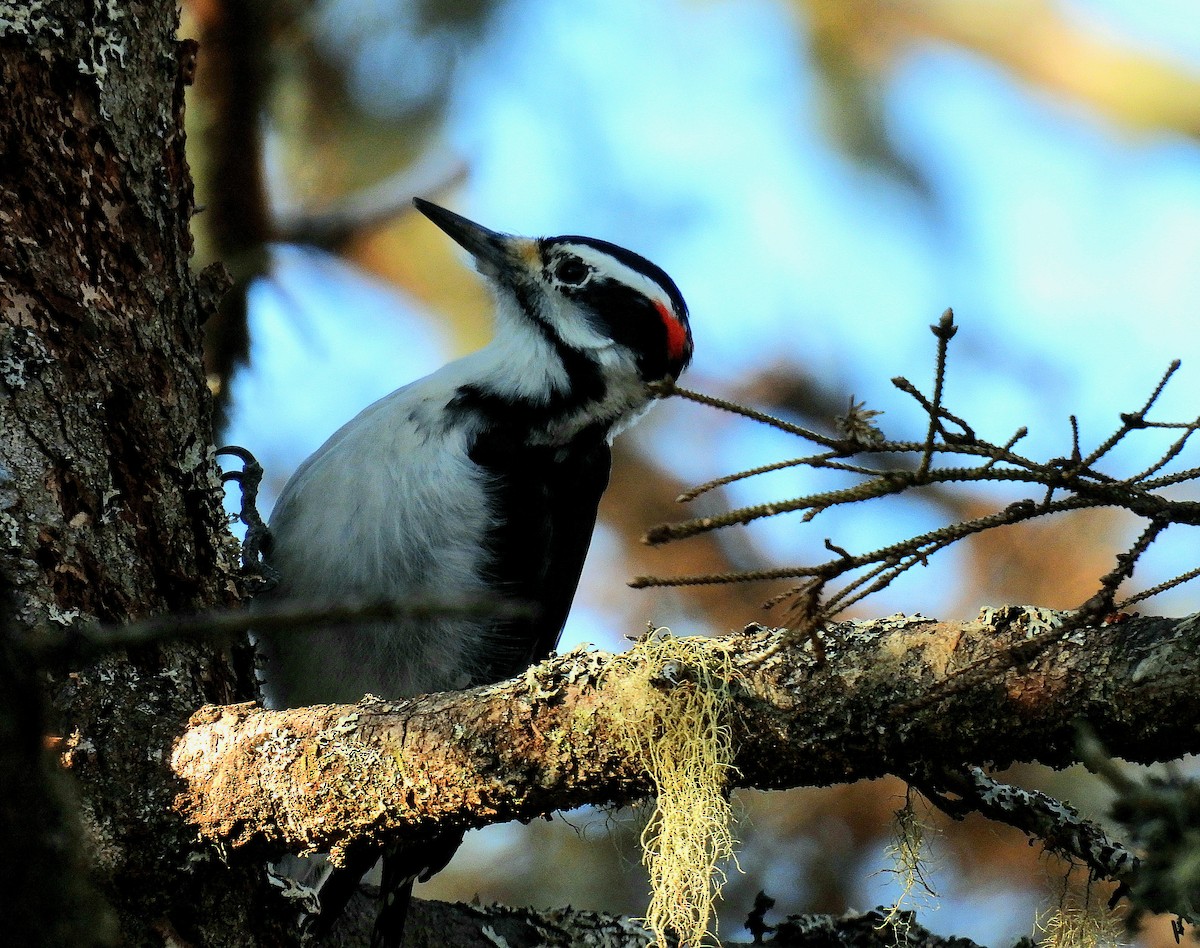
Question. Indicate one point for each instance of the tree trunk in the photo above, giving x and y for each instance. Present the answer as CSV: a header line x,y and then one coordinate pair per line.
x,y
110,505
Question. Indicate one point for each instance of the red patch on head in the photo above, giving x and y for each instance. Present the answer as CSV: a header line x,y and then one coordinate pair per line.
x,y
677,337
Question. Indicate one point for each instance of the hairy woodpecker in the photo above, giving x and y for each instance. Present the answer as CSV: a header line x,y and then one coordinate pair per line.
x,y
483,477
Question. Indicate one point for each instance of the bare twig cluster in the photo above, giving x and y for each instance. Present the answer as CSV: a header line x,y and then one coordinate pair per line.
x,y
951,451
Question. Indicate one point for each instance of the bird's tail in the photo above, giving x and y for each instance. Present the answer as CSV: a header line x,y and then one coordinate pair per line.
x,y
404,864
338,888
395,893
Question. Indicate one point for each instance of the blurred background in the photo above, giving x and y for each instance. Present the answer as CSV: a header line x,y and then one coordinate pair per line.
x,y
821,178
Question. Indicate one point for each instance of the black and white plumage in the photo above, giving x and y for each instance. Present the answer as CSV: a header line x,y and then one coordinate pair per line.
x,y
483,477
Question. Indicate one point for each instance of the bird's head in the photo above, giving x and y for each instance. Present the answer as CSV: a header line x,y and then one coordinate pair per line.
x,y
586,297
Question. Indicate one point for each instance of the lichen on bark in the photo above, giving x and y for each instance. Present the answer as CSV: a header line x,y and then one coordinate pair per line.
x,y
110,506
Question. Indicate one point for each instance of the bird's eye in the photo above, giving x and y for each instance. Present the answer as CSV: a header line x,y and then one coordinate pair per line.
x,y
572,271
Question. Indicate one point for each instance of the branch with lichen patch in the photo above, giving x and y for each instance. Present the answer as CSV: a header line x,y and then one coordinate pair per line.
x,y
327,776
1058,825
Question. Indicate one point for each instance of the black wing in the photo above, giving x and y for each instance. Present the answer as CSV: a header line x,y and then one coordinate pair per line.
x,y
548,499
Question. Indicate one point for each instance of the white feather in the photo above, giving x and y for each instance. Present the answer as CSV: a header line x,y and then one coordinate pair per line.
x,y
389,506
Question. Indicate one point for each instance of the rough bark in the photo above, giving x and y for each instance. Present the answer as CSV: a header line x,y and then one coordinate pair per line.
x,y
48,898
439,924
326,776
109,504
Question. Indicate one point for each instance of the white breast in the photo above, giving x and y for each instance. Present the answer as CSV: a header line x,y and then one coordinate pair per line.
x,y
389,506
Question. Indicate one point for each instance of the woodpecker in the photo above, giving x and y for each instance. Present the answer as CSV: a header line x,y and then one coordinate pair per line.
x,y
482,478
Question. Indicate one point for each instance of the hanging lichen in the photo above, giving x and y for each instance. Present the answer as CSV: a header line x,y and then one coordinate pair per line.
x,y
1081,923
909,853
673,697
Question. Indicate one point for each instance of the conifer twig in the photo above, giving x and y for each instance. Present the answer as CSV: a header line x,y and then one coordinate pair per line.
x,y
951,452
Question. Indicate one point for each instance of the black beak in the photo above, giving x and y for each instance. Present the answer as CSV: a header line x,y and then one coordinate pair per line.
x,y
492,250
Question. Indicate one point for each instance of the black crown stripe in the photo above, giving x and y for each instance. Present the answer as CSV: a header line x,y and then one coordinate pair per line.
x,y
634,261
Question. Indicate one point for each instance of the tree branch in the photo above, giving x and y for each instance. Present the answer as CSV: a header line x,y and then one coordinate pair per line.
x,y
324,777
436,924
1058,825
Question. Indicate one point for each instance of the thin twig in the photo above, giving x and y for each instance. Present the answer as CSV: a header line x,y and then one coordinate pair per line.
x,y
692,493
664,389
1160,588
94,639
1103,600
1168,456
1065,484
1006,449
1130,422
944,331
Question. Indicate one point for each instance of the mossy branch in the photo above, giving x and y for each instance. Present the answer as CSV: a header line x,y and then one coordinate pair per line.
x,y
325,777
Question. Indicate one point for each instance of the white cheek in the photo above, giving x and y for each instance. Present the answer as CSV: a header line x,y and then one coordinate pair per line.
x,y
572,327
620,368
